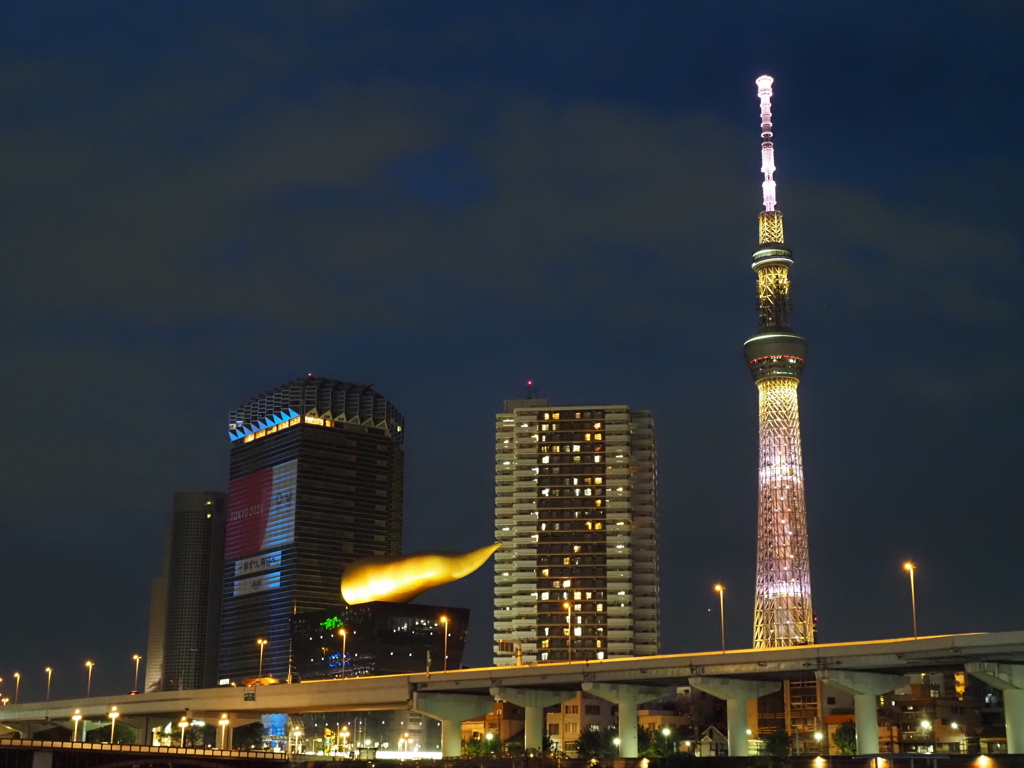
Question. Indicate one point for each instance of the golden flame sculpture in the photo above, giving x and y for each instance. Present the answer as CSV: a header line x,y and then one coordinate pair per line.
x,y
400,578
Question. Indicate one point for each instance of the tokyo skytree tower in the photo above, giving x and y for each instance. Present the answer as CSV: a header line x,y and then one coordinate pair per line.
x,y
782,605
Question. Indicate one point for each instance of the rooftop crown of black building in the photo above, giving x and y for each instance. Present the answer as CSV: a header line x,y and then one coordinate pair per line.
x,y
317,397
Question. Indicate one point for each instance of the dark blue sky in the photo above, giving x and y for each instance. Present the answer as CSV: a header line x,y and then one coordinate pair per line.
x,y
201,201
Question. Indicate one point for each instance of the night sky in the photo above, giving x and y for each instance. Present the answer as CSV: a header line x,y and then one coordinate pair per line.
x,y
200,201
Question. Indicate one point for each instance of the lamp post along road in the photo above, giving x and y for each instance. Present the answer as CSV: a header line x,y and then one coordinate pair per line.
x,y
909,567
344,650
75,718
137,659
444,620
17,685
88,684
114,714
49,677
262,644
721,610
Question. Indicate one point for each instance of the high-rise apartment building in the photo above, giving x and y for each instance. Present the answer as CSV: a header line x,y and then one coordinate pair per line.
x,y
315,483
577,517
193,591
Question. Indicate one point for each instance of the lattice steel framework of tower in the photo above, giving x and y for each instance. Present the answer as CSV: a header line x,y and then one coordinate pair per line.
x,y
782,605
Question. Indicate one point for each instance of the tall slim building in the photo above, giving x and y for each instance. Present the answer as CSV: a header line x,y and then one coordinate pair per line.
x,y
193,591
316,482
158,622
576,514
776,354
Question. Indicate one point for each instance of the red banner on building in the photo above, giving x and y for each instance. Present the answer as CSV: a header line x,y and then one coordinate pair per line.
x,y
261,511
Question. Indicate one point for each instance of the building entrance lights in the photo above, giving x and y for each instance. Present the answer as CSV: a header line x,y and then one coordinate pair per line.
x,y
721,610
444,620
114,714
909,567
75,718
136,658
88,684
262,644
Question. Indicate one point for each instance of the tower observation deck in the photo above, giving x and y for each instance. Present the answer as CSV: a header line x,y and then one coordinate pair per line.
x,y
783,615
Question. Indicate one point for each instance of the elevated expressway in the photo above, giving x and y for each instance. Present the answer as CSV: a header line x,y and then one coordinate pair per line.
x,y
865,669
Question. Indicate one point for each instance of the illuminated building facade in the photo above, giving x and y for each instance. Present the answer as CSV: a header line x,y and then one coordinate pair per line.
x,y
315,483
576,515
193,591
380,639
776,354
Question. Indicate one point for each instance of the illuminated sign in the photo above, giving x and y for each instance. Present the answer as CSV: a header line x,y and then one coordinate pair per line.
x,y
258,563
332,623
261,511
255,584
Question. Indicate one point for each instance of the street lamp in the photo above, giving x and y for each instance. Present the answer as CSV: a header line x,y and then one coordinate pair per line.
x,y
224,723
114,714
136,658
721,610
568,607
88,684
75,717
665,732
17,685
909,567
183,724
49,676
262,644
444,620
616,741
344,650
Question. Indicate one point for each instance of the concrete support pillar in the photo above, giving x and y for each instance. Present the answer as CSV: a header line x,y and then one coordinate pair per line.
x,y
866,687
533,702
452,709
736,694
627,697
1009,678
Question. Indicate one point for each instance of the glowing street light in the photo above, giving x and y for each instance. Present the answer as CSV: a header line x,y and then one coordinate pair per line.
x,y
262,644
926,725
49,676
721,610
75,717
344,650
224,723
666,732
88,685
909,567
616,741
17,685
114,714
183,724
136,658
444,620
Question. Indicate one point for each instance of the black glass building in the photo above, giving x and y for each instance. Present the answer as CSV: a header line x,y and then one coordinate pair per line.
x,y
193,582
315,483
379,639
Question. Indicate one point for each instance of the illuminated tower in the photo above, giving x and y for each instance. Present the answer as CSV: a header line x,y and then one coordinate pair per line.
x,y
776,355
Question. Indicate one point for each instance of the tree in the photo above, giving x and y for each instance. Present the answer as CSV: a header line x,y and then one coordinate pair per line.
x,y
596,744
651,742
845,738
123,734
777,746
249,736
478,747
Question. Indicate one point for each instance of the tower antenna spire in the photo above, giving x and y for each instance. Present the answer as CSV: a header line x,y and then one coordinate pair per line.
x,y
783,614
769,220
